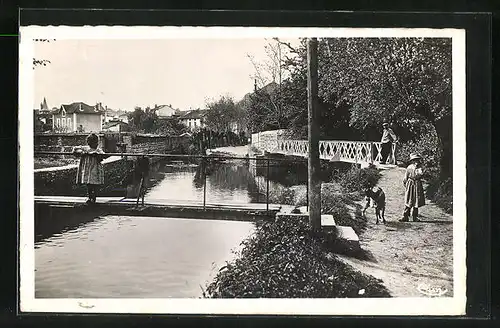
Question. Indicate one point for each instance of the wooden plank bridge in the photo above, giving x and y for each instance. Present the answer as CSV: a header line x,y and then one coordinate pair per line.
x,y
162,208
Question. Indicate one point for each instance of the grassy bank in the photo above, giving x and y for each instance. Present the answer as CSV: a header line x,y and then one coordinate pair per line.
x,y
285,259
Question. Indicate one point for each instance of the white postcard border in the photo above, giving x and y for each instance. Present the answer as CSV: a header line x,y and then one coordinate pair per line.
x,y
361,306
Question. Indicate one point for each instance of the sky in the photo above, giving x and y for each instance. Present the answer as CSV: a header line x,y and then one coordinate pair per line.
x,y
122,74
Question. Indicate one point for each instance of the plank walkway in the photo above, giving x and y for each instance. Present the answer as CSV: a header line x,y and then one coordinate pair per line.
x,y
159,208
68,200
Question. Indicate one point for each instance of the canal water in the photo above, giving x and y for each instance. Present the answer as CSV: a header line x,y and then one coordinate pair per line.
x,y
133,257
81,256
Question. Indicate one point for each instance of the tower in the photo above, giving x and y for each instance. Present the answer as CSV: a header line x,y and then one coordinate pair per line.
x,y
43,105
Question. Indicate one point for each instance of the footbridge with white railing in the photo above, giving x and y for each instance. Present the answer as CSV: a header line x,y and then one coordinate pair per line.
x,y
358,152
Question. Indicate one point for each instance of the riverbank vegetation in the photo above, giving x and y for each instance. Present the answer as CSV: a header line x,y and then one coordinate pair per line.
x,y
340,196
357,179
285,259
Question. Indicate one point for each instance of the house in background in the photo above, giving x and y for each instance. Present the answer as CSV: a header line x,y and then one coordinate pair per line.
x,y
123,117
193,119
165,111
78,117
114,115
115,126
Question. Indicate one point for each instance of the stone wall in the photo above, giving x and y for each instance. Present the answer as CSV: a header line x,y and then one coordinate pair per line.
x,y
60,181
151,147
267,140
151,144
62,141
135,143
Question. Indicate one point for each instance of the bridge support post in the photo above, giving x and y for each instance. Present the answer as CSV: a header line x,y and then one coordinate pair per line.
x,y
267,186
204,173
371,153
314,164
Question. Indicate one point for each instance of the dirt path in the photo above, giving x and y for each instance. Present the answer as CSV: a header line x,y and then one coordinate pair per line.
x,y
407,255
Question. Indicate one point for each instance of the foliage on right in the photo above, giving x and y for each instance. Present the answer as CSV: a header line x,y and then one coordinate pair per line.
x,y
364,82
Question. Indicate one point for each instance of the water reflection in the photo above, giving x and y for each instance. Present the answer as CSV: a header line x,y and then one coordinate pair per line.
x,y
52,221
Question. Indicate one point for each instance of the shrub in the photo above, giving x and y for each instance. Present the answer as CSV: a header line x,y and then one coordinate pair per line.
x,y
441,193
357,179
285,259
335,204
256,150
285,196
427,146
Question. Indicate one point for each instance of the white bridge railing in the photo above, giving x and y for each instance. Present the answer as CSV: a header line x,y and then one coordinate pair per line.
x,y
335,150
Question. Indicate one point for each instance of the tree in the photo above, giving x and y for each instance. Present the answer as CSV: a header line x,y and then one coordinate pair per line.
x,y
334,118
365,81
135,118
38,124
403,80
221,114
143,120
150,120
147,121
266,108
171,126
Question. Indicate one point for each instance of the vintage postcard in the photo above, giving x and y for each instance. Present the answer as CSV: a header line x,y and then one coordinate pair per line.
x,y
242,170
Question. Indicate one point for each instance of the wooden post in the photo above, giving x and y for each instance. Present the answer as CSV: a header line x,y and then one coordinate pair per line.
x,y
204,173
267,187
314,165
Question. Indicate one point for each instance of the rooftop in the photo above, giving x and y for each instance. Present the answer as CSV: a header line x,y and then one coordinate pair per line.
x,y
113,123
193,114
79,107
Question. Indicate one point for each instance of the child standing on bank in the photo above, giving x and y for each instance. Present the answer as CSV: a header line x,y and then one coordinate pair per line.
x,y
90,171
414,190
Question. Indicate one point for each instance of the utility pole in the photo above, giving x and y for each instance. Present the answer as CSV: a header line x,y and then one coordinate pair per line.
x,y
314,164
279,94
